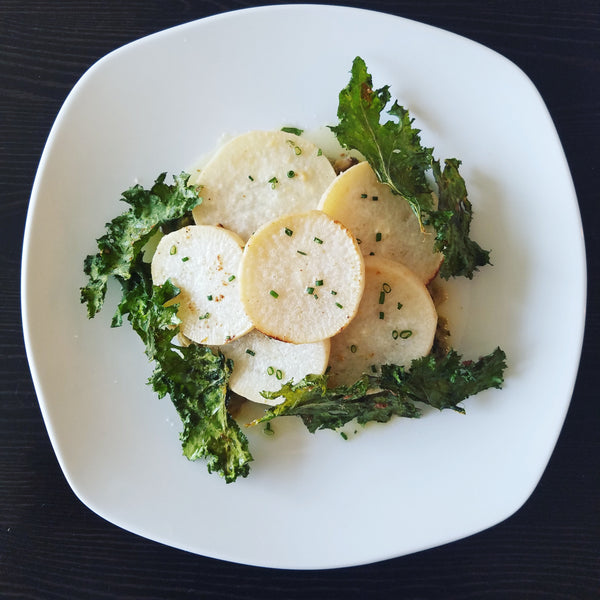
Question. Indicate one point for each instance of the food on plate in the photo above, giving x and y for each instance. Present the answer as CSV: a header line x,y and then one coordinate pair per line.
x,y
203,261
259,176
269,295
395,324
393,149
302,277
121,249
383,226
262,363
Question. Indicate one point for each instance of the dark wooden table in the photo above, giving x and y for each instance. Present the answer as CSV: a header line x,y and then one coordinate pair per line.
x,y
52,546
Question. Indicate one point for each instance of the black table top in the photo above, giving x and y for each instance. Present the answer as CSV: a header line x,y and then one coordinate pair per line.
x,y
52,546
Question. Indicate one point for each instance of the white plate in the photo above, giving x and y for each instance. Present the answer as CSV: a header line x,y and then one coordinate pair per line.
x,y
311,501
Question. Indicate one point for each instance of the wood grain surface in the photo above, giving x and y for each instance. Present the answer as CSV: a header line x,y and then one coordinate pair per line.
x,y
53,547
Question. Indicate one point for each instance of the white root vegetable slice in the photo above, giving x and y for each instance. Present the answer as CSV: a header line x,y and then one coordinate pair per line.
x,y
396,323
302,277
259,176
383,222
203,262
261,363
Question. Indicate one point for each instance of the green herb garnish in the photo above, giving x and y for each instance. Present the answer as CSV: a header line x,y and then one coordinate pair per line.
x,y
293,130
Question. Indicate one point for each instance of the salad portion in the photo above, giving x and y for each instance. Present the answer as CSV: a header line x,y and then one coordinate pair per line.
x,y
298,280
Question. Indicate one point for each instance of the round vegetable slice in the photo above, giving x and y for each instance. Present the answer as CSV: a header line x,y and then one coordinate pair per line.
x,y
383,222
261,363
203,261
396,322
301,277
259,176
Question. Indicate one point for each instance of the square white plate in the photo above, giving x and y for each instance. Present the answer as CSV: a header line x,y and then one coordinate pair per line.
x,y
311,501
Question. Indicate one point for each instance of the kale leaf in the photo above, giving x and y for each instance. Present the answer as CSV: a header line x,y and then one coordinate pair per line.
x,y
128,233
440,382
444,382
195,377
452,221
394,151
321,407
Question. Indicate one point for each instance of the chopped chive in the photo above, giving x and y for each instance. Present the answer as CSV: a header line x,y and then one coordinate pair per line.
x,y
343,435
250,178
338,305
288,232
250,352
227,338
319,282
300,252
406,333
378,237
363,195
381,297
315,296
395,334
185,259
371,253
387,288
297,150
399,305
358,241
294,130
209,298
173,250
310,290
353,348
267,430
270,370
333,293
231,278
279,374
274,294
317,240
375,198
291,174
381,315
204,316
319,152
273,181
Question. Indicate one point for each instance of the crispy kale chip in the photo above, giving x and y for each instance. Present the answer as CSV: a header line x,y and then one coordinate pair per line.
x,y
194,377
440,382
452,222
394,150
128,233
321,407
